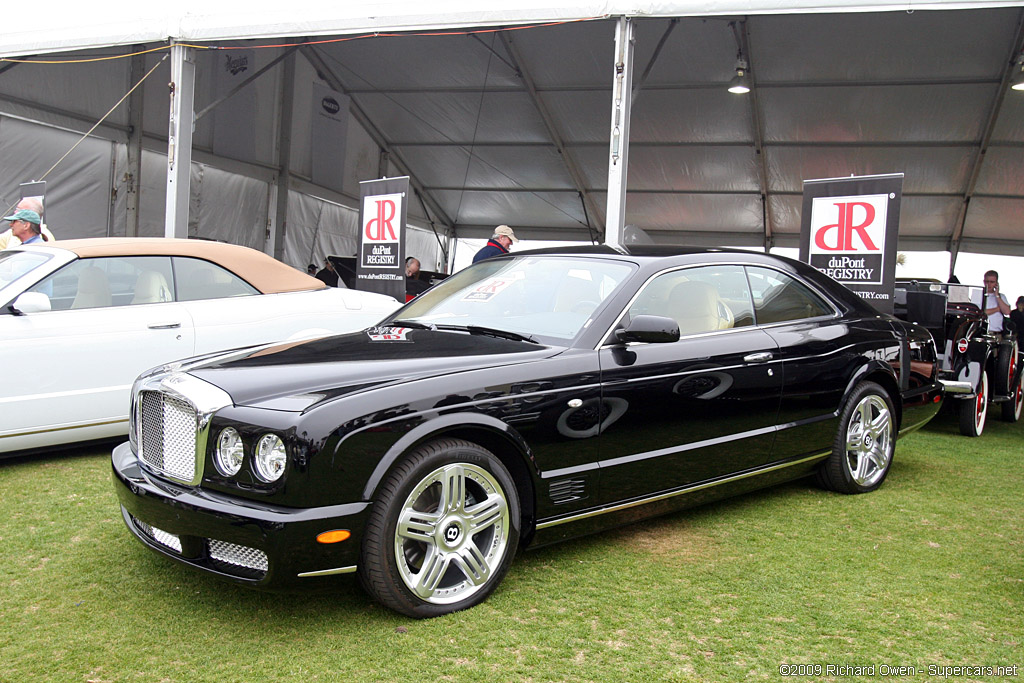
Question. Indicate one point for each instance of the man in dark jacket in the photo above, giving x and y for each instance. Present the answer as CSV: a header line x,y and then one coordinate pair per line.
x,y
499,244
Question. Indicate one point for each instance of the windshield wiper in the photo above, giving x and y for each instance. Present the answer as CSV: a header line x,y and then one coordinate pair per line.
x,y
414,324
491,332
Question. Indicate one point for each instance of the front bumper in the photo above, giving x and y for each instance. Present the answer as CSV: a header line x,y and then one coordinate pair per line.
x,y
249,542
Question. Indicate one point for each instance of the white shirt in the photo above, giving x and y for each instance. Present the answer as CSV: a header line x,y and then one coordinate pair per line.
x,y
995,321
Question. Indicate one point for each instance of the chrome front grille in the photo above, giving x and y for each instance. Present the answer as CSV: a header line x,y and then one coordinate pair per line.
x,y
238,555
167,434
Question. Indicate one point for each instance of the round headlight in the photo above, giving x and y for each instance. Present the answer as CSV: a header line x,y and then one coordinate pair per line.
x,y
229,452
270,457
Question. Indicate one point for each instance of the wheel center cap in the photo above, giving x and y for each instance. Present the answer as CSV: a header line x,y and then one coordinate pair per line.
x,y
868,440
452,533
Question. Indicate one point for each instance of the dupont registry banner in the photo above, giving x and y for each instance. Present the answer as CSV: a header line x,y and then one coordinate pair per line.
x,y
327,136
380,266
848,231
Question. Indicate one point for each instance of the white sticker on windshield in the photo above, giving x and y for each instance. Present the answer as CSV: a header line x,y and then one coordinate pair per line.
x,y
491,287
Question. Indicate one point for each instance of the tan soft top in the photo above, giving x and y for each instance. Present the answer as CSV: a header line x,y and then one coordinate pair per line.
x,y
259,270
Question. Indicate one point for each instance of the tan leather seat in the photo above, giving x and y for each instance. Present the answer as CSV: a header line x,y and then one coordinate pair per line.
x,y
697,308
150,288
93,289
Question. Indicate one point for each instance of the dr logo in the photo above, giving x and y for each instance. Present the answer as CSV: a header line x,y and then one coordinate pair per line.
x,y
379,228
845,229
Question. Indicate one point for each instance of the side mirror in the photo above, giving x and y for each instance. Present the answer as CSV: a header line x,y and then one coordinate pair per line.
x,y
651,329
30,302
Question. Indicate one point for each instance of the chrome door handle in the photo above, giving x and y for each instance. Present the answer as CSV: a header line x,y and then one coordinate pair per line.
x,y
165,326
758,357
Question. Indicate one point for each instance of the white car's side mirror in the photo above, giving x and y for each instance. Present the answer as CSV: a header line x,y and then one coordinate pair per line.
x,y
30,302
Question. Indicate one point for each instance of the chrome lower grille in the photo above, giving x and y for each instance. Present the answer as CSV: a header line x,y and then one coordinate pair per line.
x,y
238,555
167,436
159,535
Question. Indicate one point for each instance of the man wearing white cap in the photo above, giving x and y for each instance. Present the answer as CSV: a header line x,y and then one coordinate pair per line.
x,y
499,244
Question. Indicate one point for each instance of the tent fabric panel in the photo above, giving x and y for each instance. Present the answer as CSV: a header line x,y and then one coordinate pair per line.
x,y
882,46
929,216
73,206
994,218
317,228
576,55
696,51
513,167
689,168
547,209
231,208
455,117
927,169
1002,173
694,115
43,84
716,213
419,62
1009,127
894,114
583,116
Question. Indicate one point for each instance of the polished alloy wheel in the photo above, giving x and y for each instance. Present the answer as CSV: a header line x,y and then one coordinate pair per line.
x,y
452,533
869,441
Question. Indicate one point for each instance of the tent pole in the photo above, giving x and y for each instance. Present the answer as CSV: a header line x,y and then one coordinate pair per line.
x,y
134,148
284,155
179,141
618,155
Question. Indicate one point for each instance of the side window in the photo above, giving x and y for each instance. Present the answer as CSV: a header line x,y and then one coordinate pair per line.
x,y
702,299
109,281
198,279
779,297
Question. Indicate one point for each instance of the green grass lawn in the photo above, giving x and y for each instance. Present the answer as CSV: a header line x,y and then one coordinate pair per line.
x,y
927,571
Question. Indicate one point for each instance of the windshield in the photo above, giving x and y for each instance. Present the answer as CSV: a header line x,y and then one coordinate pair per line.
x,y
539,297
14,264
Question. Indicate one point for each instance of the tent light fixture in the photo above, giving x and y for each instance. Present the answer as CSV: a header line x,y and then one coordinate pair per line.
x,y
1017,82
740,83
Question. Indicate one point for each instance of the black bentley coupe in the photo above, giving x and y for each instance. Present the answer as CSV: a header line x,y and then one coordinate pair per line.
x,y
526,399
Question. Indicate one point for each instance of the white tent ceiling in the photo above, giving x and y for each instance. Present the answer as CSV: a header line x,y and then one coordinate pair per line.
x,y
513,126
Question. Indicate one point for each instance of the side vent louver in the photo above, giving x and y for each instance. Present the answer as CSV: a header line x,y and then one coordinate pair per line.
x,y
567,490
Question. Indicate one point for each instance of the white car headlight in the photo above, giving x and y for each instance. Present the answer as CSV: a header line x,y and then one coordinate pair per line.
x,y
229,452
270,457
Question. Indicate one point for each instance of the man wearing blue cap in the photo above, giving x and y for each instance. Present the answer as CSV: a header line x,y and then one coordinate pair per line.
x,y
25,226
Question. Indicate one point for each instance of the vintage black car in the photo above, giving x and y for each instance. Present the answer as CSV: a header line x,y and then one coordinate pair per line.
x,y
527,399
976,366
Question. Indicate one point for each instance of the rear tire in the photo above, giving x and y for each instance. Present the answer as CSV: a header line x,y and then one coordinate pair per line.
x,y
442,531
864,444
974,411
1011,409
1005,367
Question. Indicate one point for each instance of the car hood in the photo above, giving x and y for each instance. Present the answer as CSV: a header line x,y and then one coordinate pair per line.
x,y
296,376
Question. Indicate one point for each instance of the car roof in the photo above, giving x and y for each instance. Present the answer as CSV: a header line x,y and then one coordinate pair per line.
x,y
263,272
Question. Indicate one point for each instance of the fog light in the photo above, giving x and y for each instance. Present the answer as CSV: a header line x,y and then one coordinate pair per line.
x,y
229,452
270,457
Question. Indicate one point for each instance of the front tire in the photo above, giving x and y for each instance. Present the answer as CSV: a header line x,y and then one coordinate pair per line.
x,y
442,531
974,411
864,444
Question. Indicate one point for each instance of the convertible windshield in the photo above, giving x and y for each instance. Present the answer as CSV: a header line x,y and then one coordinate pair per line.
x,y
529,296
14,264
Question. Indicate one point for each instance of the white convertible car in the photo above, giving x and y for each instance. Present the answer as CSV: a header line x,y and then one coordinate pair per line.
x,y
81,319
